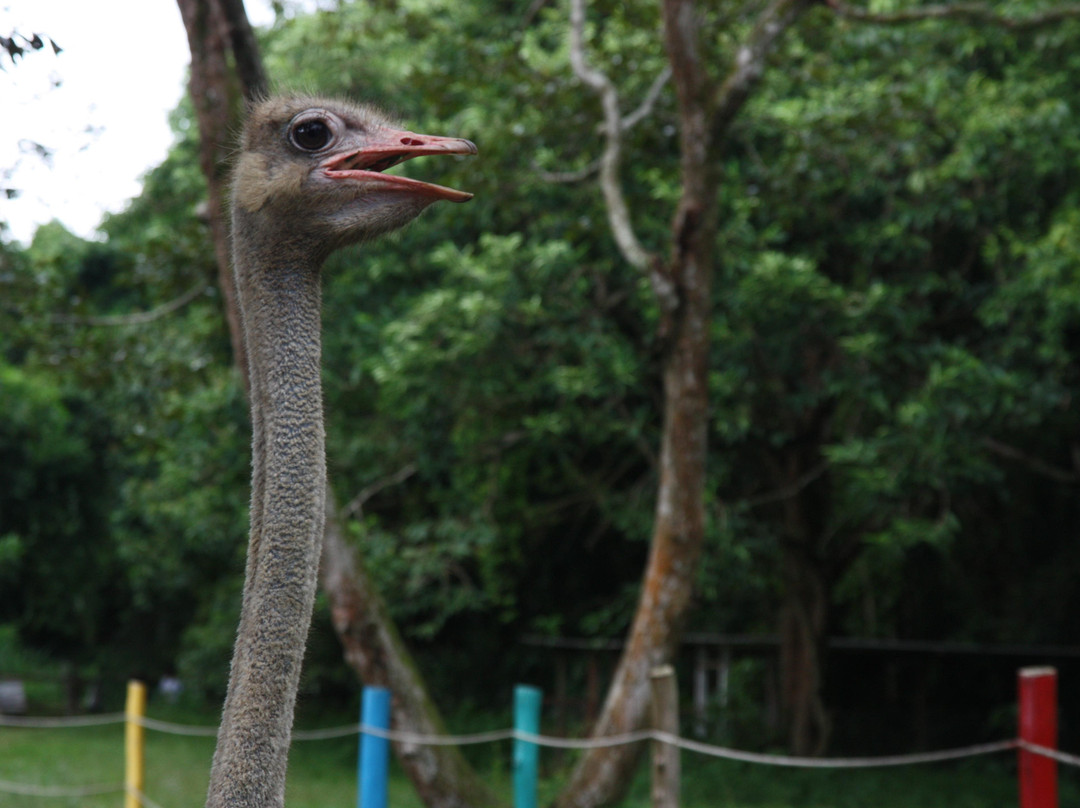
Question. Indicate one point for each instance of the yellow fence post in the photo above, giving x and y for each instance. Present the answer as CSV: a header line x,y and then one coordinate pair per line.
x,y
133,743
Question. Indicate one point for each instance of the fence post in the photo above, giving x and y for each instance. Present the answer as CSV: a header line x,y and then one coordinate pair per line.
x,y
134,710
1038,725
527,703
374,760
665,718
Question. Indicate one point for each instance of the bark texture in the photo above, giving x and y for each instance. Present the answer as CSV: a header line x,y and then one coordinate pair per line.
x,y
374,649
216,95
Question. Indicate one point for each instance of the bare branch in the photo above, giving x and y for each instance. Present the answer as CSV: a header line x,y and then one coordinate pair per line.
x,y
570,176
138,318
1033,463
627,123
647,104
968,12
245,49
532,12
610,184
750,60
787,491
356,505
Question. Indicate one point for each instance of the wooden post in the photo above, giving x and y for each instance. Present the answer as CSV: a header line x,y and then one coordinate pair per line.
x,y
134,710
665,757
1038,725
374,759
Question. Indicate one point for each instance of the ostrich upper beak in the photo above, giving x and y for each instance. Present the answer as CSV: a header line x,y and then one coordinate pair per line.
x,y
387,147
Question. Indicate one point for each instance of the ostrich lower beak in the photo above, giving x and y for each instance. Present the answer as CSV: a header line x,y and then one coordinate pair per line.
x,y
388,147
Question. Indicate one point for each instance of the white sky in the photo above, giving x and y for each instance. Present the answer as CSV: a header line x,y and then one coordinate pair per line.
x,y
121,71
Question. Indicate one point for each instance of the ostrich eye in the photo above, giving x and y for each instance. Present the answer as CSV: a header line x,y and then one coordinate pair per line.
x,y
311,135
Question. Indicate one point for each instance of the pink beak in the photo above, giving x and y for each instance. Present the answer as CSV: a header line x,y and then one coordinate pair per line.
x,y
388,147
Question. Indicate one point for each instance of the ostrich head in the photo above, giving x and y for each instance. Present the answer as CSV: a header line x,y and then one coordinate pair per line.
x,y
314,168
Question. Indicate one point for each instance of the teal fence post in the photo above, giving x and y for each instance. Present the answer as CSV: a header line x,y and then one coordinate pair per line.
x,y
527,701
374,759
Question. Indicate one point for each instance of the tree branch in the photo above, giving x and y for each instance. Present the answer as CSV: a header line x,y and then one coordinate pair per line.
x,y
610,160
787,491
1033,463
647,104
569,177
969,12
750,61
245,49
627,123
356,504
138,318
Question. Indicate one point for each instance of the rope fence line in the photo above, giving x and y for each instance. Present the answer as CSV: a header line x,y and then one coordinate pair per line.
x,y
419,739
1037,704
62,722
554,742
140,796
840,763
397,736
33,790
169,728
1053,754
404,736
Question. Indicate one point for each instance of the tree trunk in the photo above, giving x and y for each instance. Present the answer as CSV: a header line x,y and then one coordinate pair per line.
x,y
802,653
375,650
440,774
603,775
807,557
215,97
683,285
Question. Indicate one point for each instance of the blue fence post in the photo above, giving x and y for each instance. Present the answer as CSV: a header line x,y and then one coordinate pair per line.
x,y
374,759
527,701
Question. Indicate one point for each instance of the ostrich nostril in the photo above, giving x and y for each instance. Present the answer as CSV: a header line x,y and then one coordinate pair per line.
x,y
411,141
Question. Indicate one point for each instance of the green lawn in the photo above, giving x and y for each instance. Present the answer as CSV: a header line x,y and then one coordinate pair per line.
x,y
323,774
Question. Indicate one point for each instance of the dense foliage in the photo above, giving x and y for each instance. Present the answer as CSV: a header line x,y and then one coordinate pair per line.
x,y
895,326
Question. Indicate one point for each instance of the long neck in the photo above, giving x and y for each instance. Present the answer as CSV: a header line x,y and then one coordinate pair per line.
x,y
278,285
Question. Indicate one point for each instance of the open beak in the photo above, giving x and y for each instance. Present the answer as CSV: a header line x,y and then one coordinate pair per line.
x,y
388,147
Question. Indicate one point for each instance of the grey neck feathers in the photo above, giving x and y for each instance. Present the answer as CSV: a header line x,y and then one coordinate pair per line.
x,y
279,288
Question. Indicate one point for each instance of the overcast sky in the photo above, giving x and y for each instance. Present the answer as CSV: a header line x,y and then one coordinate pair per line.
x,y
101,105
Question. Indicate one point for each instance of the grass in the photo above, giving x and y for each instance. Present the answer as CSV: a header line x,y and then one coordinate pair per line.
x,y
323,774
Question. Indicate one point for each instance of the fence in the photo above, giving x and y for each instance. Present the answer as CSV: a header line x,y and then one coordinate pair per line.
x,y
1036,745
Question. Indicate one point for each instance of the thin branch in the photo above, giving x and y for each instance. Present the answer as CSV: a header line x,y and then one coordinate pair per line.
x,y
356,505
245,49
627,123
610,184
750,61
1033,463
788,491
532,12
647,104
969,12
138,318
570,177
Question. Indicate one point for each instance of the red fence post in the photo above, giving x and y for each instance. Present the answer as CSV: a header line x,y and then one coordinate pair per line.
x,y
1038,725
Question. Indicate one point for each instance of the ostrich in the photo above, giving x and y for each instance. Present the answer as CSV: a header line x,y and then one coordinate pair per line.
x,y
308,180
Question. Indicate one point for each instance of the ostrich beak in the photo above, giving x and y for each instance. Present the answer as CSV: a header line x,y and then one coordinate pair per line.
x,y
387,147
